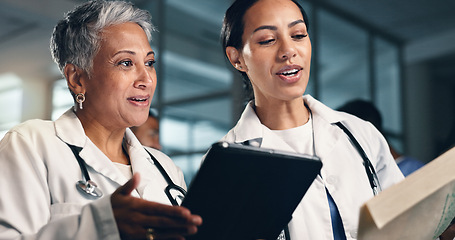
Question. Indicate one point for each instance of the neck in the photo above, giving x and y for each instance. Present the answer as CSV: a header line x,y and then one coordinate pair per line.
x,y
281,115
108,140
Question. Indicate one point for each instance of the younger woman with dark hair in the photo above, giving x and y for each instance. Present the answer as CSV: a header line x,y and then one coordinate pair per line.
x,y
267,41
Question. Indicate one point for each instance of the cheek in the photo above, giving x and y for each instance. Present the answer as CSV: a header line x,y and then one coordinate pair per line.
x,y
155,81
247,55
154,78
113,88
306,51
256,61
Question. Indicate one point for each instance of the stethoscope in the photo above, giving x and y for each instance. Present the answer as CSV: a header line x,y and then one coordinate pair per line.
x,y
90,189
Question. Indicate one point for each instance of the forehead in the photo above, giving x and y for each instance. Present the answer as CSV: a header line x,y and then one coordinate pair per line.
x,y
124,35
271,12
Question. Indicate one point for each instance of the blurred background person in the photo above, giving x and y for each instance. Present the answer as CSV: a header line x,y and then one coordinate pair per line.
x,y
149,132
368,112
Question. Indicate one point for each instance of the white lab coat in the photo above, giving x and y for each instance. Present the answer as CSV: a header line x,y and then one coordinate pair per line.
x,y
38,172
343,173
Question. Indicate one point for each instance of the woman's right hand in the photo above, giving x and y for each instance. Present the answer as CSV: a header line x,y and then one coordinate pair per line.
x,y
136,218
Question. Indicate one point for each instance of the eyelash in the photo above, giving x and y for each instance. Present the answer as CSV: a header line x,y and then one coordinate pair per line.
x,y
129,63
297,37
152,62
125,63
266,42
300,36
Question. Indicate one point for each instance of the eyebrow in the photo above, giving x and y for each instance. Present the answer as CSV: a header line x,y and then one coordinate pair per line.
x,y
273,28
133,53
292,24
265,27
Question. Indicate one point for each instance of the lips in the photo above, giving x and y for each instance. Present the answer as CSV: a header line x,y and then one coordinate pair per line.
x,y
139,100
290,73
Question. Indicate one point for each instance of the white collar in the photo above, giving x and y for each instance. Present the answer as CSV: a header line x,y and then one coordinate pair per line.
x,y
249,127
69,129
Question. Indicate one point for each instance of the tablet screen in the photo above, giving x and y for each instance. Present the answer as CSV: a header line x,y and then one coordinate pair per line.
x,y
245,192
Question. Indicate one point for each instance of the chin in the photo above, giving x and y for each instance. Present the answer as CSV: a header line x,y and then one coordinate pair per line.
x,y
294,94
138,121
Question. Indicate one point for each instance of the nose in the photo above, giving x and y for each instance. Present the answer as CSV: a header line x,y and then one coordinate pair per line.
x,y
146,77
287,50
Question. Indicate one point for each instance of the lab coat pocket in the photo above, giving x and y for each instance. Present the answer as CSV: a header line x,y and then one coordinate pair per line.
x,y
60,210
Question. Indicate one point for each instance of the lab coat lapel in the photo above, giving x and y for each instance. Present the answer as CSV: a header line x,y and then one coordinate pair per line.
x,y
142,163
152,182
326,134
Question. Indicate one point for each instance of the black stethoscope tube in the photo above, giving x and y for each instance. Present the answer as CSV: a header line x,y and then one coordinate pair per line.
x,y
369,169
76,151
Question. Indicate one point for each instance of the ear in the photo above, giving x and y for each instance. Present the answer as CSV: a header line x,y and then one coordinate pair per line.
x,y
75,78
235,58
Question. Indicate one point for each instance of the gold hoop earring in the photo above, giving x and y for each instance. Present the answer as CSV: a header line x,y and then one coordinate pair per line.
x,y
80,98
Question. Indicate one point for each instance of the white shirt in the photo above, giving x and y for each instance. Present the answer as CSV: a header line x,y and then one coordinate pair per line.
x,y
38,172
343,173
299,138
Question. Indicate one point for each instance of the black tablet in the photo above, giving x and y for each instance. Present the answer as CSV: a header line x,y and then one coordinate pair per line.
x,y
245,192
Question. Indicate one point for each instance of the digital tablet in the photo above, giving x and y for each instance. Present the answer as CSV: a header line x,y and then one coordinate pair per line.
x,y
246,192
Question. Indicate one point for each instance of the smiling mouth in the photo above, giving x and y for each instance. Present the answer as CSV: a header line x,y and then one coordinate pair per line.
x,y
288,73
138,99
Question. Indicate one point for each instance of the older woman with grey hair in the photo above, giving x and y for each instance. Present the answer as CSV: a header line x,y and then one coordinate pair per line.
x,y
85,175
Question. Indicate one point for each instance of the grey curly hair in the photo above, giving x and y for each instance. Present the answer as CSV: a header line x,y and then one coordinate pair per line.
x,y
76,38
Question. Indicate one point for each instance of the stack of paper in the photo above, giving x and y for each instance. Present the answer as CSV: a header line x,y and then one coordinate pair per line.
x,y
419,207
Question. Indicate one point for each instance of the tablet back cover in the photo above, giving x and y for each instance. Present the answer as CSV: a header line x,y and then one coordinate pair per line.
x,y
245,192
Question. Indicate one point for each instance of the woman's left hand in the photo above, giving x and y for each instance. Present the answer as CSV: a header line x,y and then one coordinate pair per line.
x,y
139,219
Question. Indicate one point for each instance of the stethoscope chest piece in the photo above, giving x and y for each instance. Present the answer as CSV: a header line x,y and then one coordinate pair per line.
x,y
89,188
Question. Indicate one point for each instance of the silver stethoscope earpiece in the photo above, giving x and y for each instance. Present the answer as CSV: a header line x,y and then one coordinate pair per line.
x,y
90,188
